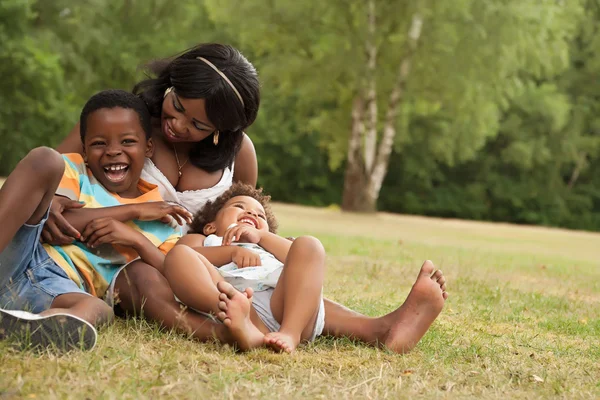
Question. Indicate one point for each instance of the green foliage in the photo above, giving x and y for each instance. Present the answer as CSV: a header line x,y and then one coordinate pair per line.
x,y
499,119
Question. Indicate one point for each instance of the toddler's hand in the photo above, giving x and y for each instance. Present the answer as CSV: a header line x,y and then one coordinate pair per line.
x,y
241,233
245,258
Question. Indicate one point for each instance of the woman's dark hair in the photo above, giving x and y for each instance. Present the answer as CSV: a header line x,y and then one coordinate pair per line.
x,y
209,212
192,78
114,98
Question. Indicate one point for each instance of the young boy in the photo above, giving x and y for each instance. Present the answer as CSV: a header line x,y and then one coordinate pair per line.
x,y
268,290
120,221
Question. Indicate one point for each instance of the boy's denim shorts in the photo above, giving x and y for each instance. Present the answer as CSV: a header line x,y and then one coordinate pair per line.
x,y
29,278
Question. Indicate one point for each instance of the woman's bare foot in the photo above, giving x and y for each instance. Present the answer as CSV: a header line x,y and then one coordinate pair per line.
x,y
408,324
280,341
235,315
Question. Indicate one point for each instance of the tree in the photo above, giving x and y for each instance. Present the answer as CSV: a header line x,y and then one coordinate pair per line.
x,y
365,69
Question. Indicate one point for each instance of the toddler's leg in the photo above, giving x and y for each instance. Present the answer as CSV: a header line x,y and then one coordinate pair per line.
x,y
193,279
295,301
27,193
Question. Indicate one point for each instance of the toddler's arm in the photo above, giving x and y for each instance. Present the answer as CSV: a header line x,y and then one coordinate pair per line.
x,y
219,255
276,245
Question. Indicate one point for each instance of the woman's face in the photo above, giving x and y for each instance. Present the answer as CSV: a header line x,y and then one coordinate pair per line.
x,y
184,120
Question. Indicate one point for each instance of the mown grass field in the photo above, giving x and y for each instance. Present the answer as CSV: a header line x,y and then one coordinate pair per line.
x,y
522,321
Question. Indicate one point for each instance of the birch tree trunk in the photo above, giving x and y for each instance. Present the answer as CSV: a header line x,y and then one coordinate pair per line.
x,y
364,176
355,177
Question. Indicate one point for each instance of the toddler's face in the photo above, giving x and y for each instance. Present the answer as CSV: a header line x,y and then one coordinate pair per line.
x,y
241,210
116,148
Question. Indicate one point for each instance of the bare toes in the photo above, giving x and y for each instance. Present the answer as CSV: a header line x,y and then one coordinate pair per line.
x,y
427,268
222,306
443,287
222,296
437,275
442,280
445,295
221,316
226,288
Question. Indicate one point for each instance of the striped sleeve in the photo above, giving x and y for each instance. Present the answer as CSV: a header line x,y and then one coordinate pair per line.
x,y
70,185
168,244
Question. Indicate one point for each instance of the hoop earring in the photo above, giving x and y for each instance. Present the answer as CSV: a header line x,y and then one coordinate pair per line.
x,y
169,90
216,138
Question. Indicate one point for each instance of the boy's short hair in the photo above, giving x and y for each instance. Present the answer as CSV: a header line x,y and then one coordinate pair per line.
x,y
116,98
208,213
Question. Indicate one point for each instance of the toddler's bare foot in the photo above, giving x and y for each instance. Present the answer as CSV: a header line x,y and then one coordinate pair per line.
x,y
408,324
280,341
235,315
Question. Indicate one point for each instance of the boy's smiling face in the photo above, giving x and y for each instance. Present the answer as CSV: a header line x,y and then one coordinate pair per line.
x,y
115,148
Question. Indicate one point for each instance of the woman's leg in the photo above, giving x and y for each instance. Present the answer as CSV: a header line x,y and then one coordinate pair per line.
x,y
401,329
295,300
143,290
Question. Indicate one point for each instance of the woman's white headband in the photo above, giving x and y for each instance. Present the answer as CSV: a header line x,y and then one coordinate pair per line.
x,y
223,76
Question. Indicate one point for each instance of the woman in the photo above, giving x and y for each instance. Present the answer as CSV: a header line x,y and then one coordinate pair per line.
x,y
202,101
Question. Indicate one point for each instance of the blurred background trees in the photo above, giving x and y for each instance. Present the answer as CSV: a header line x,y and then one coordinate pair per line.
x,y
466,109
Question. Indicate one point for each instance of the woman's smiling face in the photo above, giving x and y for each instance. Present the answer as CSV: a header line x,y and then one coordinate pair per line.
x,y
184,120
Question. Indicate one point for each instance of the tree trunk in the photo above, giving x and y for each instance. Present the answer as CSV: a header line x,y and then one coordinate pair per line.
x,y
370,135
578,167
364,175
355,179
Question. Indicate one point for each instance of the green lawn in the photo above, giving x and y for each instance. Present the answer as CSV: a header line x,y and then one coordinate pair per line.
x,y
522,321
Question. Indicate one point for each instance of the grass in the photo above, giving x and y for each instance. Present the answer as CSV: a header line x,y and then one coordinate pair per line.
x,y
523,321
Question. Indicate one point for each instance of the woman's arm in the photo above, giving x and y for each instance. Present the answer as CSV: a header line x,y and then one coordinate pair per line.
x,y
246,164
72,143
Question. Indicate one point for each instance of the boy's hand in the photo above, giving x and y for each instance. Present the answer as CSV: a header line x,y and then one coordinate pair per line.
x,y
245,258
109,230
163,211
241,233
57,230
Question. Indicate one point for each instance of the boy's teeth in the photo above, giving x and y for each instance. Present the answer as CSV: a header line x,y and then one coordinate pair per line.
x,y
116,167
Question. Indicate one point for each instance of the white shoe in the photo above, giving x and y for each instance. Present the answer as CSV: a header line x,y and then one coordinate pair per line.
x,y
61,331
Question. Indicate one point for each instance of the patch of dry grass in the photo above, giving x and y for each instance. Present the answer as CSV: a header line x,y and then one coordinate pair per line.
x,y
523,321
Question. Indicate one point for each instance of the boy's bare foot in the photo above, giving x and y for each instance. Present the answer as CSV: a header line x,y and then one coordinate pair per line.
x,y
408,324
235,315
280,341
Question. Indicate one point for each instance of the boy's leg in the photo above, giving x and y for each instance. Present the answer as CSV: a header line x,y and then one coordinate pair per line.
x,y
142,290
296,299
68,316
69,324
27,193
193,279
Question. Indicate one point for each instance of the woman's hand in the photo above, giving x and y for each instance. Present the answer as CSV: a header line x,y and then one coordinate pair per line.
x,y
245,258
241,233
57,230
109,230
163,211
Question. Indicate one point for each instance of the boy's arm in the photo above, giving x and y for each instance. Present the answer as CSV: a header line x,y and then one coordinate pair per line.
x,y
81,217
110,231
149,253
218,256
149,211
